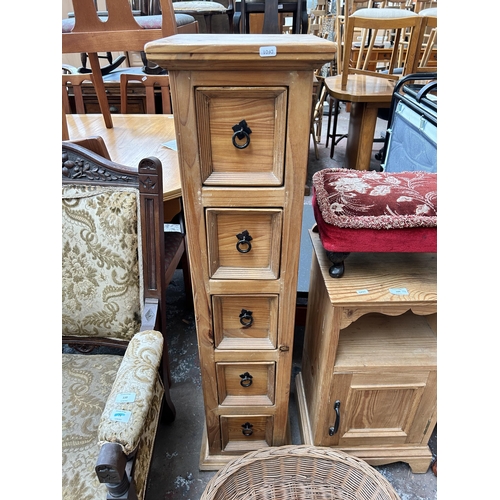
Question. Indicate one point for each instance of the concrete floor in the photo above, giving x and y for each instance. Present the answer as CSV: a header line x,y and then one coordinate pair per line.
x,y
174,472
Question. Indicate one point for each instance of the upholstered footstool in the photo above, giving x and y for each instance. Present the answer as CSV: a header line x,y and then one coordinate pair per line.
x,y
366,211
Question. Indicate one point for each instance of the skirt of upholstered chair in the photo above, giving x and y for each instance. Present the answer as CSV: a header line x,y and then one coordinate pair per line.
x,y
87,381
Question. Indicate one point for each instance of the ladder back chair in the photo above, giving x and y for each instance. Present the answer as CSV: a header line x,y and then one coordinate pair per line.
x,y
75,82
428,36
271,10
120,31
364,78
150,82
207,9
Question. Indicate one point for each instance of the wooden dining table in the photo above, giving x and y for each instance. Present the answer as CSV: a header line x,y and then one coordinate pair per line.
x,y
132,138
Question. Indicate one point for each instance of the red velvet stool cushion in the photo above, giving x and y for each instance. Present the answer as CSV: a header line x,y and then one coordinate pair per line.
x,y
367,211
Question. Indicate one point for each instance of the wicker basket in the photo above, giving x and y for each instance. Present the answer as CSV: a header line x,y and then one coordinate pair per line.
x,y
298,473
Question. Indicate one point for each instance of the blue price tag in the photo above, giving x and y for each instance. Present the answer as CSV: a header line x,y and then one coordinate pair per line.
x,y
399,291
121,415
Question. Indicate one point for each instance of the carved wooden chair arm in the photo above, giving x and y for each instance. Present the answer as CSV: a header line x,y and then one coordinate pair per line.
x,y
114,469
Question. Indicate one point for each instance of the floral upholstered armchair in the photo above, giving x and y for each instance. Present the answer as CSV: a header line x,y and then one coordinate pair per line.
x,y
112,296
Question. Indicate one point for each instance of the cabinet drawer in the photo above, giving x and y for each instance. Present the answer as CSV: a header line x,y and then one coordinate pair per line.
x,y
247,433
256,157
245,321
244,244
242,384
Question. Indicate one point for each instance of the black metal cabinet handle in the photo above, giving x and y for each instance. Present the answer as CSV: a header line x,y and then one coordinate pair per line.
x,y
241,131
247,429
246,379
244,239
246,318
335,428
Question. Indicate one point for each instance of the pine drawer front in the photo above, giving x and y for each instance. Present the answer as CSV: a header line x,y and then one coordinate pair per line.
x,y
245,321
246,384
242,434
234,155
244,244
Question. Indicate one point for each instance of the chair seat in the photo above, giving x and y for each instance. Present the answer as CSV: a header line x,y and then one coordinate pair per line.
x,y
429,12
199,7
80,419
84,394
365,211
146,22
388,13
360,88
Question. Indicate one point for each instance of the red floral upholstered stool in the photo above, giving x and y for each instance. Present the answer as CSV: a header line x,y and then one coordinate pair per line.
x,y
365,211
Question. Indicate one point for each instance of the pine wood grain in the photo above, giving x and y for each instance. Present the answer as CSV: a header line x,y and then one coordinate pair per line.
x,y
231,334
132,138
375,351
216,82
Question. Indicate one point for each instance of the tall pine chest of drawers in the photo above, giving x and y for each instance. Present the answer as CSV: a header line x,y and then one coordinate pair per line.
x,y
242,107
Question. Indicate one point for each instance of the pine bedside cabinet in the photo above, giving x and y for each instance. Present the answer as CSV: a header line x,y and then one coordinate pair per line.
x,y
368,379
242,107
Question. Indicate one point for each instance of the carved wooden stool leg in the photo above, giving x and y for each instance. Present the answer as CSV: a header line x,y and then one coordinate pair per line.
x,y
337,259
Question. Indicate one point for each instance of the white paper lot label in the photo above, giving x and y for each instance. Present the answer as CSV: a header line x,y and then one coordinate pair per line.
x,y
269,51
125,397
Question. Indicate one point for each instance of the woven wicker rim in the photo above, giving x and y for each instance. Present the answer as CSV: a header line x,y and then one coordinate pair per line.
x,y
271,475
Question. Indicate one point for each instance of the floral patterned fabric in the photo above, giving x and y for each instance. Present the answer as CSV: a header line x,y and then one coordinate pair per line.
x,y
102,291
102,271
137,372
87,383
359,199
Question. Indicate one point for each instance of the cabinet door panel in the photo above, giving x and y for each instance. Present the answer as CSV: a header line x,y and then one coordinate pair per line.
x,y
383,408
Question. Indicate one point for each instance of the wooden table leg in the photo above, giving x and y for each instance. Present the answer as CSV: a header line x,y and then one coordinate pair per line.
x,y
362,123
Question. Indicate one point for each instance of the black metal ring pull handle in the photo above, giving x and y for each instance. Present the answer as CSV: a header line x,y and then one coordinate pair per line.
x,y
244,239
247,429
246,318
246,379
333,430
241,131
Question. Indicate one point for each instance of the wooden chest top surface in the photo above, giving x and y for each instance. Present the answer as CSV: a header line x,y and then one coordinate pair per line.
x,y
201,51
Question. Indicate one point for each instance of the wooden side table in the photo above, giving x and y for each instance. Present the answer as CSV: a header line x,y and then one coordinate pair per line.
x,y
242,107
369,364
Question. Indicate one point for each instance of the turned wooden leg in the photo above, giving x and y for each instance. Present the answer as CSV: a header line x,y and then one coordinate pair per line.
x,y
337,259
